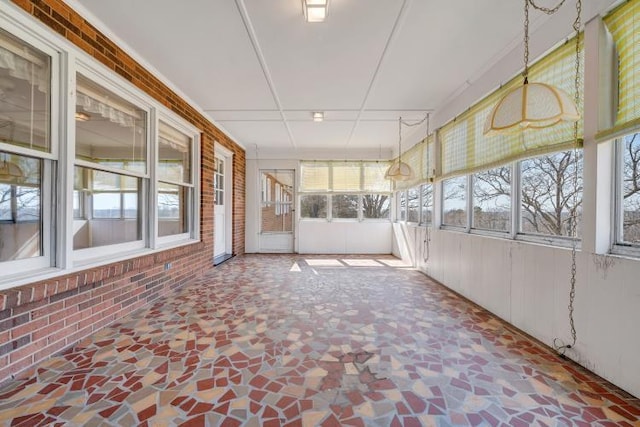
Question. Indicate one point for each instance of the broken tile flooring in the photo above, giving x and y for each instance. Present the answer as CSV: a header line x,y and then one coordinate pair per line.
x,y
304,341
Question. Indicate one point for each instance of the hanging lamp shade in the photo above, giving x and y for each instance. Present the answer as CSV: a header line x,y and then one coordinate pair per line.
x,y
399,171
532,105
10,173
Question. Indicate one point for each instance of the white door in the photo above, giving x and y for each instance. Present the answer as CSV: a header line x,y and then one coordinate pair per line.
x,y
277,210
222,206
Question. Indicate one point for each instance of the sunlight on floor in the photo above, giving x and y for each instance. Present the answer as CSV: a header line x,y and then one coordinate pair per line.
x,y
362,263
295,268
324,263
395,263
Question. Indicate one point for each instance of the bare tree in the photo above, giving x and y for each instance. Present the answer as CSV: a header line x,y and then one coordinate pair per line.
x,y
631,189
375,206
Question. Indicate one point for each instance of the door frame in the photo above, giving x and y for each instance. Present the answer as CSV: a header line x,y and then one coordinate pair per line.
x,y
226,155
292,233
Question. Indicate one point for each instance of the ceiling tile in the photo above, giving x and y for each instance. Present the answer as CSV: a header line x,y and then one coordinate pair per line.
x,y
323,134
264,134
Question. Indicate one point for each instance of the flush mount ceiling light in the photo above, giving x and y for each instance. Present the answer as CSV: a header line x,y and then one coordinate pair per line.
x,y
315,10
399,171
82,117
536,105
318,116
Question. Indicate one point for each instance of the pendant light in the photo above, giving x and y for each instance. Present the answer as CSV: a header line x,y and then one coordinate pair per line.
x,y
10,173
399,171
535,105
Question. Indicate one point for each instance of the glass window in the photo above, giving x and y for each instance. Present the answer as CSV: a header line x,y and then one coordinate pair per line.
x,y
402,206
116,215
492,199
426,209
111,156
25,95
454,201
313,206
344,206
376,206
630,191
109,130
175,192
549,193
413,205
21,234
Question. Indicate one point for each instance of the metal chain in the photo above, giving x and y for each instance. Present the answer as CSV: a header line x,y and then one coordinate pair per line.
x,y
557,343
548,11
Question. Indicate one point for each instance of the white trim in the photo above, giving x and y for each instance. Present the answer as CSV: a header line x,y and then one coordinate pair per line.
x,y
96,254
228,157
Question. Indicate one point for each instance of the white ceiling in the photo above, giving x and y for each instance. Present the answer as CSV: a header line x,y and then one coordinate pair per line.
x,y
259,70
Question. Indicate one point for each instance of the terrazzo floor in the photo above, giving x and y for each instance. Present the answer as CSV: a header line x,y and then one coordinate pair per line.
x,y
270,340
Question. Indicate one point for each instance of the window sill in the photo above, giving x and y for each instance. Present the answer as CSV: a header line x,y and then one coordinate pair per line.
x,y
627,251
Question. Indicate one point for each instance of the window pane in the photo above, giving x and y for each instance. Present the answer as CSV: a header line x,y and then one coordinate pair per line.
x,y
25,94
108,128
413,205
174,155
376,206
173,213
454,203
313,206
427,203
344,206
276,218
20,207
114,203
631,190
346,176
548,193
492,199
403,206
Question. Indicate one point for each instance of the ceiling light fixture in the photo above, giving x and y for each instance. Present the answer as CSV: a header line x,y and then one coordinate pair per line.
x,y
399,171
10,173
82,117
315,10
318,116
535,105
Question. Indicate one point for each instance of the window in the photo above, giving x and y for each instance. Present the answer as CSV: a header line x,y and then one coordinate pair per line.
x,y
27,156
344,206
413,205
426,206
313,206
454,201
628,224
354,190
492,199
376,206
111,171
276,213
175,181
550,195
402,206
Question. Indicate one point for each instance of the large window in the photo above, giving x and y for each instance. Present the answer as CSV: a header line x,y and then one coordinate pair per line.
x,y
551,192
454,201
492,199
344,190
175,181
111,160
27,156
628,197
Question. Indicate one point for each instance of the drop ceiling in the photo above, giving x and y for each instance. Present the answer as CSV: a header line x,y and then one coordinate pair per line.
x,y
259,70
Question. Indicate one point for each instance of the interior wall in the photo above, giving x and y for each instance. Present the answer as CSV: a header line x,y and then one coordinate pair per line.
x,y
527,285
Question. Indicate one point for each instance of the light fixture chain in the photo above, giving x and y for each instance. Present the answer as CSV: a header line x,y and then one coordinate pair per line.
x,y
525,72
573,224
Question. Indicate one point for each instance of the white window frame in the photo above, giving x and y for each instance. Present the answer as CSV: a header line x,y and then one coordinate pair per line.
x,y
193,209
21,29
423,222
113,83
468,202
510,233
618,246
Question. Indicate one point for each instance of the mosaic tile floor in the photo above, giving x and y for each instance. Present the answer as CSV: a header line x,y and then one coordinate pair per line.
x,y
306,341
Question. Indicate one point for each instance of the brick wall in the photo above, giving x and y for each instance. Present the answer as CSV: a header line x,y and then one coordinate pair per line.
x,y
42,318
